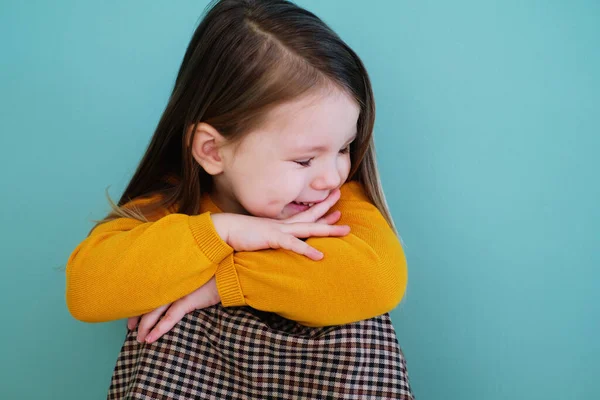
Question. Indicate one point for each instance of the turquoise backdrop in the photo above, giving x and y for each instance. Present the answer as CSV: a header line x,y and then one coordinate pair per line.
x,y
488,139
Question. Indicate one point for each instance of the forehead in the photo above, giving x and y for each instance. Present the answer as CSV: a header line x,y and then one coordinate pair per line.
x,y
322,118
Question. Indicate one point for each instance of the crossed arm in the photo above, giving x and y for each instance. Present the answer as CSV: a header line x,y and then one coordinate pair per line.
x,y
127,268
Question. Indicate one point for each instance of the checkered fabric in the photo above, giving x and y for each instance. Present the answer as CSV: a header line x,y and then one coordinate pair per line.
x,y
243,353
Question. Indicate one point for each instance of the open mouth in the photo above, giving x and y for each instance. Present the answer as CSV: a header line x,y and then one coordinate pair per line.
x,y
303,204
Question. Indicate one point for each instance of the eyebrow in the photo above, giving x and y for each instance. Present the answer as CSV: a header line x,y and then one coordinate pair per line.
x,y
323,148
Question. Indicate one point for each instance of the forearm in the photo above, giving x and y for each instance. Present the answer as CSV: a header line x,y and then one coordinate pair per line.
x,y
325,293
127,268
363,274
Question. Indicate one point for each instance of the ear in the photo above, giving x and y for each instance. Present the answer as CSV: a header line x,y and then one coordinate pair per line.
x,y
206,147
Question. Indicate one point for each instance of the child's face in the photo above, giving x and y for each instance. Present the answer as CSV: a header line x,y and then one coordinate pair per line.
x,y
299,155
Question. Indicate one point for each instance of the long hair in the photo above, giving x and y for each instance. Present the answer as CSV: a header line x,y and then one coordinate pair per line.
x,y
245,58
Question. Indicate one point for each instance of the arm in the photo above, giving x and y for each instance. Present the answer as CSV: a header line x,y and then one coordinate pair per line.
x,y
126,268
363,274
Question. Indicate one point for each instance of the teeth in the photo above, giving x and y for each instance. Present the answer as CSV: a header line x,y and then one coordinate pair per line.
x,y
306,204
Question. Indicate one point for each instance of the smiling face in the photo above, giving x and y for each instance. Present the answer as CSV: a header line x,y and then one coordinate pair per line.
x,y
298,156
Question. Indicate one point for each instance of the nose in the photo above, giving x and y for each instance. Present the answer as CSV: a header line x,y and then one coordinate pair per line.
x,y
328,178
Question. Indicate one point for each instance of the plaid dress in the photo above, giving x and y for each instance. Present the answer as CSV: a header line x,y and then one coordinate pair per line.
x,y
243,353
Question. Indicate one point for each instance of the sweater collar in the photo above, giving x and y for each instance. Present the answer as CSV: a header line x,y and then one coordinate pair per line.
x,y
206,204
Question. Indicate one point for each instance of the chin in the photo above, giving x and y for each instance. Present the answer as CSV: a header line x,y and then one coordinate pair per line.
x,y
273,212
264,213
286,213
281,215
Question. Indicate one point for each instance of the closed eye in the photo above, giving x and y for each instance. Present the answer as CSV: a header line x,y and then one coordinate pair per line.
x,y
304,163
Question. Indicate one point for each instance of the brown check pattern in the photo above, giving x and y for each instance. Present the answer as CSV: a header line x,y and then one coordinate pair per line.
x,y
243,353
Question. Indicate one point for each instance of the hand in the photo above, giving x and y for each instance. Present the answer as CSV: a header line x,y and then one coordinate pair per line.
x,y
207,295
316,212
248,233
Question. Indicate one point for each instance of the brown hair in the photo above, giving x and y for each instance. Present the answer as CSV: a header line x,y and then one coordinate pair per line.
x,y
245,58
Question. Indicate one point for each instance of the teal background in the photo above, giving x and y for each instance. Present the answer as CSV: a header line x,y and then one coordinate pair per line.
x,y
487,135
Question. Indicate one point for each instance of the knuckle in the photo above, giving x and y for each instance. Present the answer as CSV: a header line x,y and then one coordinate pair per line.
x,y
167,318
273,242
290,240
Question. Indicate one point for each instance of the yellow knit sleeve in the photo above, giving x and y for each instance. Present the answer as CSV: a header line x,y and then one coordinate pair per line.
x,y
362,275
127,268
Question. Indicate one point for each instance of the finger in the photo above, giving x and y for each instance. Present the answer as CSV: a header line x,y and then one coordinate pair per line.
x,y
132,322
205,296
296,245
173,315
148,321
305,230
331,218
316,211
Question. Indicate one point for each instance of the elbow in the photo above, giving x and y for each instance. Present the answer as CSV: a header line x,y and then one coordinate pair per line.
x,y
399,289
77,307
78,296
83,307
77,313
394,281
79,301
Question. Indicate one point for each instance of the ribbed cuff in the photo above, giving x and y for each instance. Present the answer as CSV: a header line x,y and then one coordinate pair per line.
x,y
207,238
228,284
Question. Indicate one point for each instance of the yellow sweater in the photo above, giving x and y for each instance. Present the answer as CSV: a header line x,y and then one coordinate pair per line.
x,y
126,268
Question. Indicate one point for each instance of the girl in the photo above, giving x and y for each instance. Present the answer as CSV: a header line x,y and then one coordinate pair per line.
x,y
268,128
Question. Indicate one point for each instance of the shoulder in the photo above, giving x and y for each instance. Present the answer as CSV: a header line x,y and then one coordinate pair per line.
x,y
152,206
353,191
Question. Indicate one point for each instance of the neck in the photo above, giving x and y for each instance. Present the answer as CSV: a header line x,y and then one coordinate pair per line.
x,y
222,196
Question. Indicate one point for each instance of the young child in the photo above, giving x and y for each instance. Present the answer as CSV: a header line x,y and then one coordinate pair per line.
x,y
224,227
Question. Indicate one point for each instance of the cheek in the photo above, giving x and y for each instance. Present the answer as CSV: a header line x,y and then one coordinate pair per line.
x,y
344,167
255,205
263,197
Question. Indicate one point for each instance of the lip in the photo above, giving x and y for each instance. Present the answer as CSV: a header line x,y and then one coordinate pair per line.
x,y
298,207
315,202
